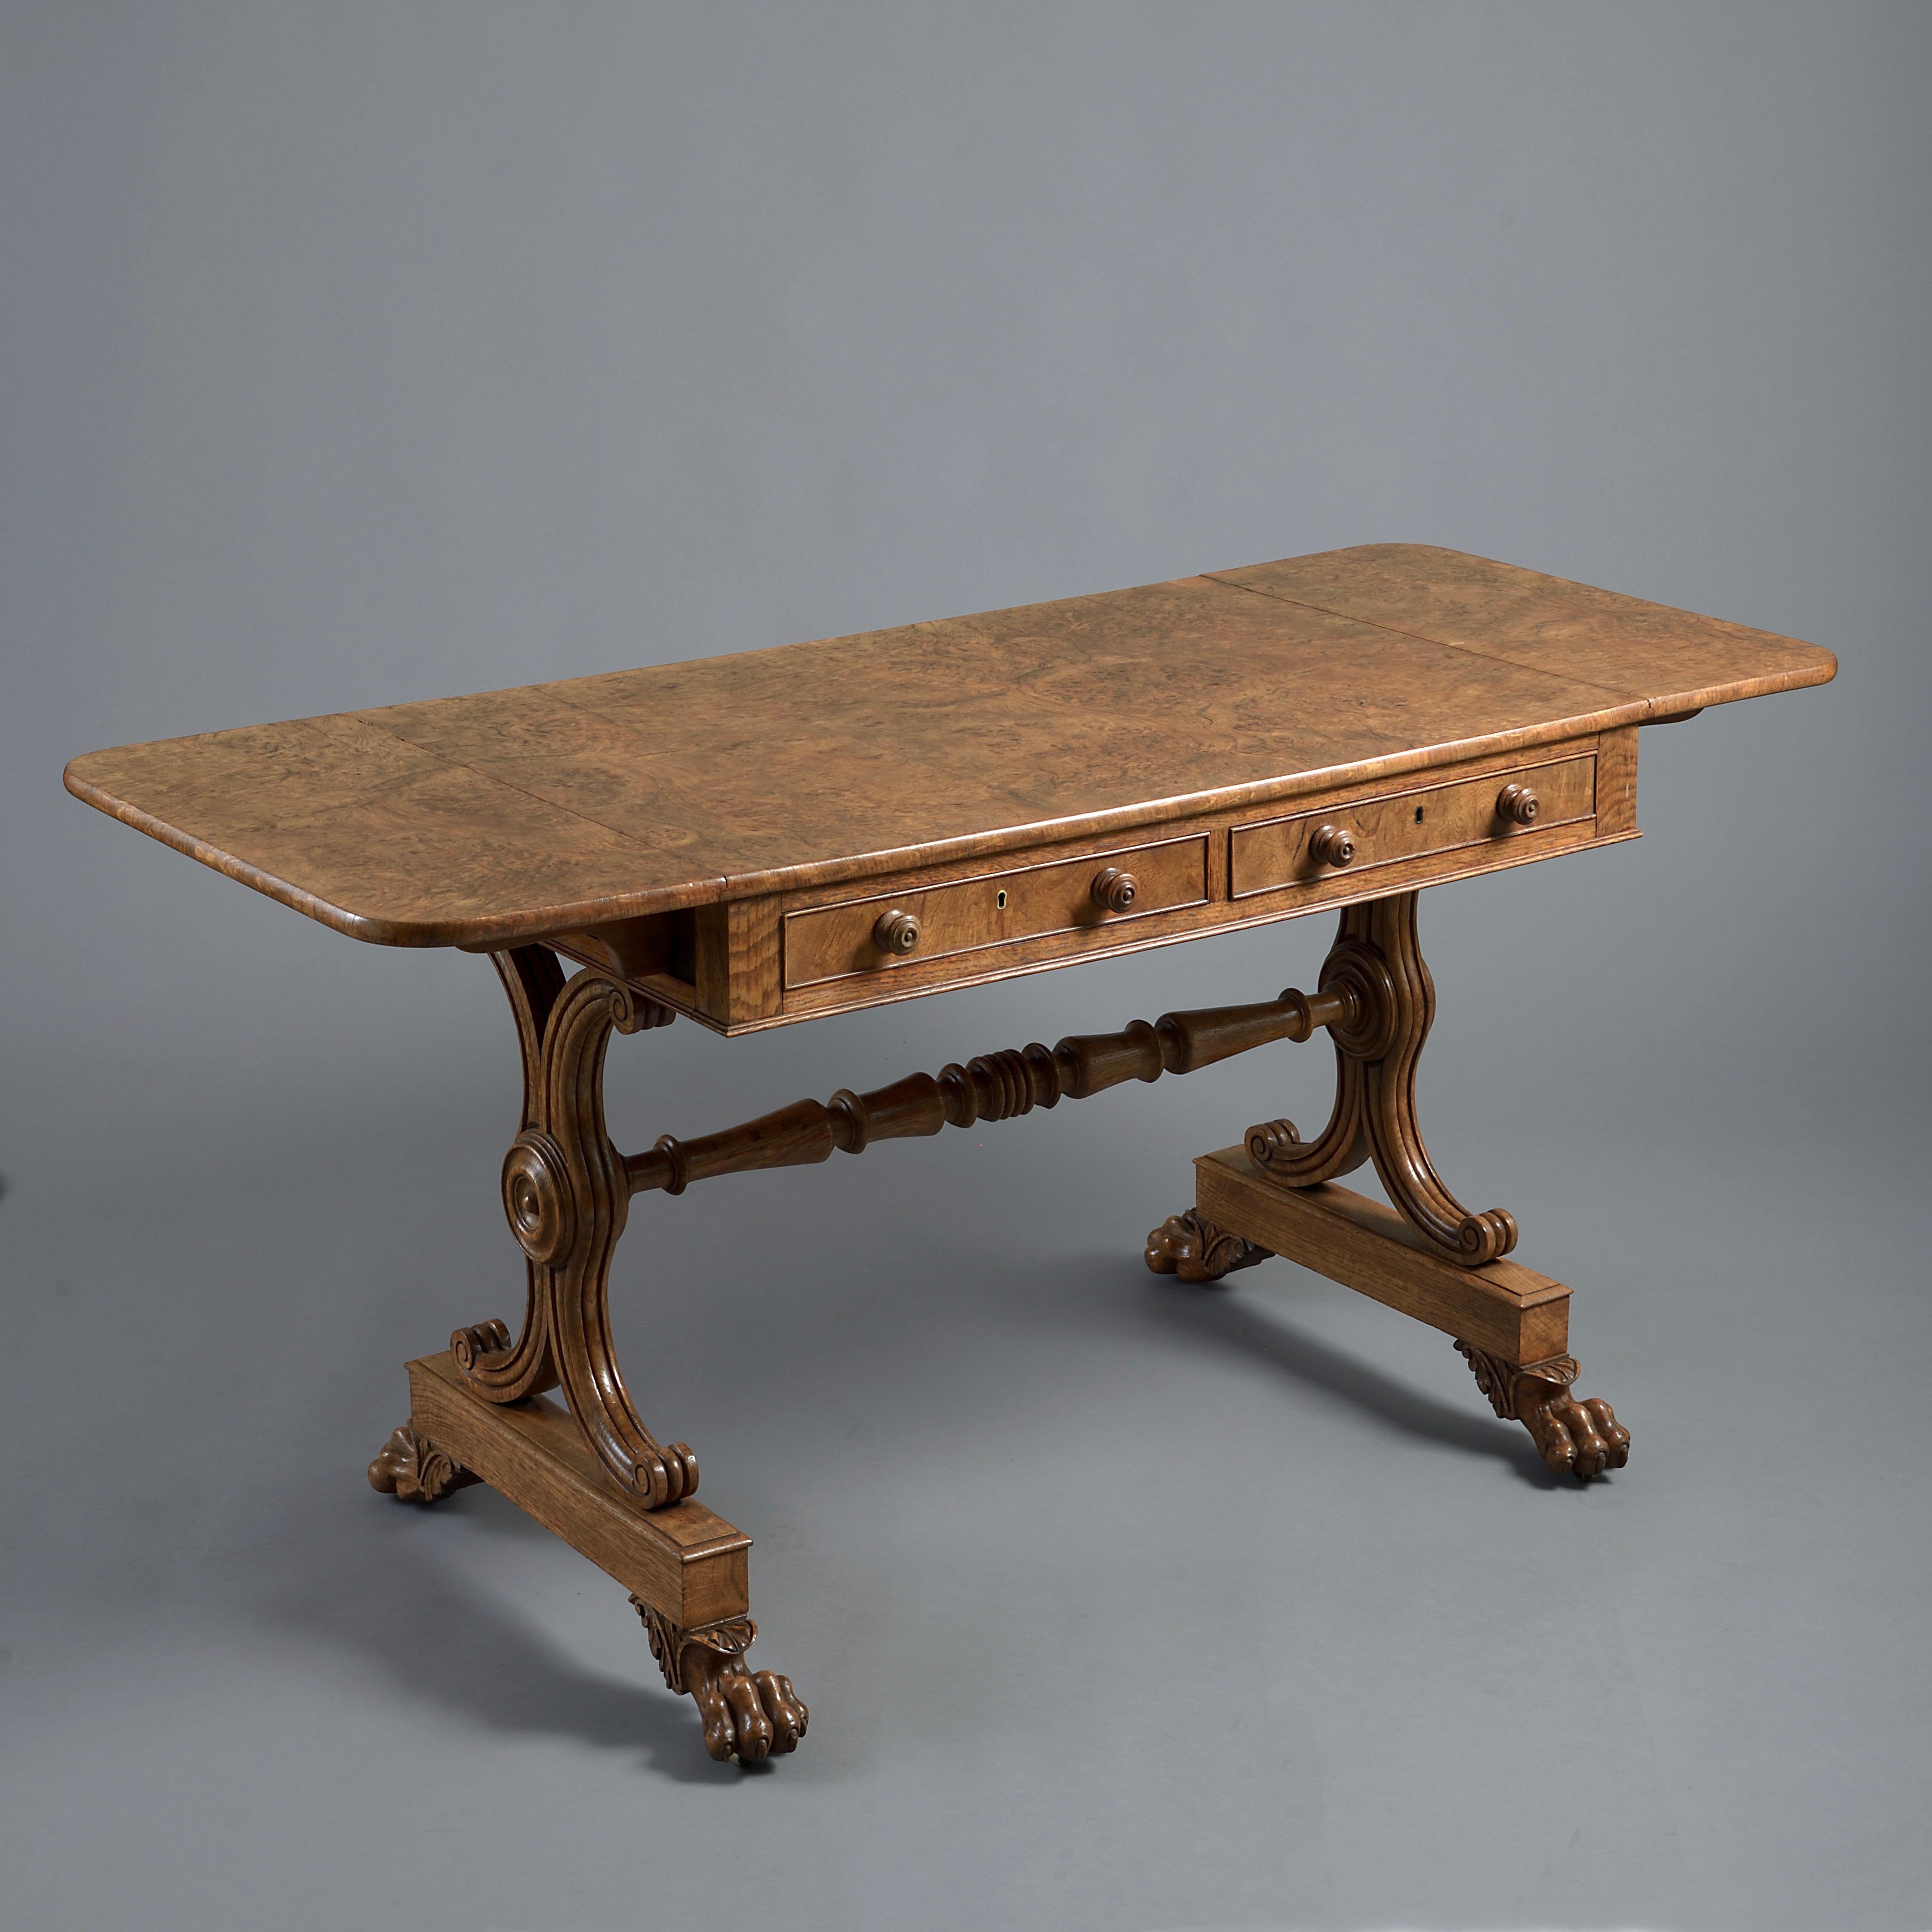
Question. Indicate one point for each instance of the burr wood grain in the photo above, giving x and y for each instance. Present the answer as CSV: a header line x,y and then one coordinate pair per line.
x,y
485,821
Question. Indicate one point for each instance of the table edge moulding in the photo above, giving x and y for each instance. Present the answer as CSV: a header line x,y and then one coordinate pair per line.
x,y
753,840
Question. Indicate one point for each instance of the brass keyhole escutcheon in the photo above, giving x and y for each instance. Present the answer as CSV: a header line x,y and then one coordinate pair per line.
x,y
1000,898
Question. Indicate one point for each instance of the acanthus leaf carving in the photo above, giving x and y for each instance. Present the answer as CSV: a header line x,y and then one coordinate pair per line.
x,y
1191,1247
748,1715
412,1468
1583,1436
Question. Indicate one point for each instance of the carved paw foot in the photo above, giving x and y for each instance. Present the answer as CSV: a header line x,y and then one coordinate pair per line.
x,y
748,1715
1194,1249
414,1469
1582,1436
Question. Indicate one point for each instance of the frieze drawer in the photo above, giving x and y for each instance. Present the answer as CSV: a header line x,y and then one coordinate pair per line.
x,y
1422,819
1119,887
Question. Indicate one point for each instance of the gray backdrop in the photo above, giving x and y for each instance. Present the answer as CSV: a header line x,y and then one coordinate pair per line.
x,y
355,354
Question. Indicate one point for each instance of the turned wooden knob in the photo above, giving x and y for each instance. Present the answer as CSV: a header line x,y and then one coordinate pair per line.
x,y
895,932
1518,805
1114,890
1332,846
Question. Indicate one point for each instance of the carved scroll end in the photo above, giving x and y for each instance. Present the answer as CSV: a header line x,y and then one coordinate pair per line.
x,y
1191,1247
1273,1145
412,1469
470,1345
1485,1237
640,1014
666,1476
748,1715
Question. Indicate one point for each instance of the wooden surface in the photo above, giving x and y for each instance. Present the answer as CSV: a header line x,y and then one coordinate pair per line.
x,y
1393,854
1510,1311
484,820
566,1196
1405,824
993,909
1000,1086
1376,964
683,1560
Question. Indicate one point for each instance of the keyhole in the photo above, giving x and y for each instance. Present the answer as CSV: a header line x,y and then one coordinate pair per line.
x,y
1418,814
999,899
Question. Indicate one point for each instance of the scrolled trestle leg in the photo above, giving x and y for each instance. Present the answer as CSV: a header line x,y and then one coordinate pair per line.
x,y
1583,1436
1376,964
565,1197
748,1715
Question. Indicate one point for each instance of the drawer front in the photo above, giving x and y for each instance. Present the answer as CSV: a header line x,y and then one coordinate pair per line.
x,y
1409,824
962,915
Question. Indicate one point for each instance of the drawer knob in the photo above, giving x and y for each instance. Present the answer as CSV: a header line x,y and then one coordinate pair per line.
x,y
895,932
1332,846
1517,805
1114,890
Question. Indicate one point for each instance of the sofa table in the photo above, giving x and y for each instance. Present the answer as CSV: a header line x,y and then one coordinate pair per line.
x,y
753,840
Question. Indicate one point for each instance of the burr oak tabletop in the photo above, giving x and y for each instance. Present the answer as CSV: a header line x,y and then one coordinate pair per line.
x,y
484,820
